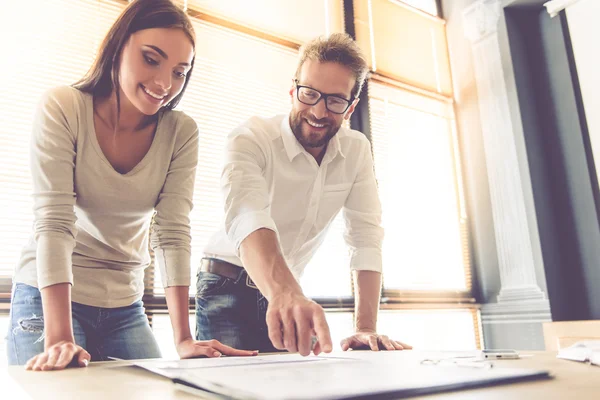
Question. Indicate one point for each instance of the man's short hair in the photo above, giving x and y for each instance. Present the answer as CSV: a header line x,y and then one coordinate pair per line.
x,y
338,48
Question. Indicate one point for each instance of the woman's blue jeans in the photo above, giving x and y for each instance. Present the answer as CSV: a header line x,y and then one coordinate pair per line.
x,y
122,332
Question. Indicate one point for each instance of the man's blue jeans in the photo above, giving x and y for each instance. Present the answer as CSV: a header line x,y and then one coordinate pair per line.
x,y
121,332
231,312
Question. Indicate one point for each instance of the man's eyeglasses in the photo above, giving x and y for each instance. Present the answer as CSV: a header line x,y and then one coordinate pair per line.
x,y
309,96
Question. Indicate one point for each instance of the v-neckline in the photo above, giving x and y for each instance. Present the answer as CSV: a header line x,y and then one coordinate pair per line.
x,y
92,128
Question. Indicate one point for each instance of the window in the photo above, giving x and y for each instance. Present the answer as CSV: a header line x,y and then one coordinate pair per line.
x,y
46,54
429,6
435,329
245,63
415,150
415,155
294,20
390,33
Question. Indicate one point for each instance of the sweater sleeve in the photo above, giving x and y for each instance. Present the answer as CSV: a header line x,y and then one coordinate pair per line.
x,y
170,235
52,158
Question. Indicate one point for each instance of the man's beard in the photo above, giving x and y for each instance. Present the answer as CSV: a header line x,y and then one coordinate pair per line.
x,y
297,121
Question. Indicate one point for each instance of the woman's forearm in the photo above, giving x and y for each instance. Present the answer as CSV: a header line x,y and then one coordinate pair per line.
x,y
58,324
178,298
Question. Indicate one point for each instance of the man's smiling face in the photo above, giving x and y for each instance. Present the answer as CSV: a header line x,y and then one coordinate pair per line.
x,y
314,126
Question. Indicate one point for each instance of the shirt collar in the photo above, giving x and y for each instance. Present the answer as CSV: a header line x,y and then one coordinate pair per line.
x,y
293,147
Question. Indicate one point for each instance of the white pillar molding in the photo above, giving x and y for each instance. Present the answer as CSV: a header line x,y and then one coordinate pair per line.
x,y
554,7
511,227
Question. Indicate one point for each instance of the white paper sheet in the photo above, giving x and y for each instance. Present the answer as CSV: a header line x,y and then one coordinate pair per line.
x,y
290,376
222,362
584,351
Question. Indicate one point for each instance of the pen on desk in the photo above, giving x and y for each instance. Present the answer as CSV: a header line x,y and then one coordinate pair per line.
x,y
460,361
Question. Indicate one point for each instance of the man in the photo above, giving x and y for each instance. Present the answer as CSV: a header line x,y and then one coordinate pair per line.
x,y
284,181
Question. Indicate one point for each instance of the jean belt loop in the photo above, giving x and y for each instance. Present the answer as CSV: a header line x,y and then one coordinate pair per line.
x,y
242,275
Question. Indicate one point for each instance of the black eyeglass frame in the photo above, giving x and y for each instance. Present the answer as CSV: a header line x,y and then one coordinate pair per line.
x,y
322,96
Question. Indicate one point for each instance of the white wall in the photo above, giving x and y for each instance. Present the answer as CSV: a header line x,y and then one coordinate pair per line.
x,y
584,26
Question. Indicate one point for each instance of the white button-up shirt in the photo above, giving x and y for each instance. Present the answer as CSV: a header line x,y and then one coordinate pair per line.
x,y
270,181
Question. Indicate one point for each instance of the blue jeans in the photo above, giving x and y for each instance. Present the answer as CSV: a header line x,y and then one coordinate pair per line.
x,y
231,312
121,332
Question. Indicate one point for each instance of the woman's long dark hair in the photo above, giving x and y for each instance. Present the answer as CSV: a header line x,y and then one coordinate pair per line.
x,y
103,76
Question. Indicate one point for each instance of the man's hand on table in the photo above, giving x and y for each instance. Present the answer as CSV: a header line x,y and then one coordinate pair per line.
x,y
368,339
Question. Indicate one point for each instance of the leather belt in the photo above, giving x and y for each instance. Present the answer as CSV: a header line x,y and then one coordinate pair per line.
x,y
226,270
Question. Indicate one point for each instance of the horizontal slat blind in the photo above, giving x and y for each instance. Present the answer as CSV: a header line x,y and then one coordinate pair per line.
x,y
55,45
414,146
294,20
403,43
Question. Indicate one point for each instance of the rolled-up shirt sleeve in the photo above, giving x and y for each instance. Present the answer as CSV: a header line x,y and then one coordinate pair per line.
x,y
244,187
362,215
52,160
170,235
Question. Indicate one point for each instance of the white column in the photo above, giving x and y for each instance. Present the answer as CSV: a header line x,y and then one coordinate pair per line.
x,y
513,241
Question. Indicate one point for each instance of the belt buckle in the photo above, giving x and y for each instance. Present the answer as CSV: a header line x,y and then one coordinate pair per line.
x,y
250,283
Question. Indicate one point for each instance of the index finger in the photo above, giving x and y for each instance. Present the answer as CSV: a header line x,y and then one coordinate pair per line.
x,y
304,340
322,331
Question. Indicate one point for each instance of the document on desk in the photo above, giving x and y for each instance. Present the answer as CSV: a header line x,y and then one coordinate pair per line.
x,y
328,377
584,351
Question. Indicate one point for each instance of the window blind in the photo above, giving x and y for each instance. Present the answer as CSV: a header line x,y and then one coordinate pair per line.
x,y
416,165
294,20
239,75
403,43
236,76
54,46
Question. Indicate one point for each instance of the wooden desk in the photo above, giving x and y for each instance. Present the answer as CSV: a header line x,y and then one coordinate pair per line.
x,y
112,381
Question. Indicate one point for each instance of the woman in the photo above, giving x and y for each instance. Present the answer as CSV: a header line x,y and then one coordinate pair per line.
x,y
109,155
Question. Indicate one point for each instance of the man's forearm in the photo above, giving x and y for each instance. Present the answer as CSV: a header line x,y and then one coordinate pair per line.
x,y
261,256
367,288
178,302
